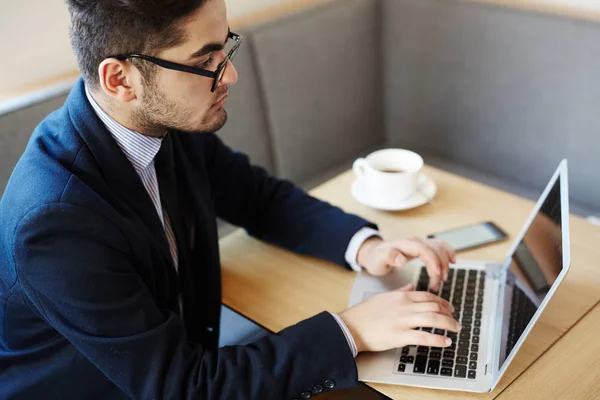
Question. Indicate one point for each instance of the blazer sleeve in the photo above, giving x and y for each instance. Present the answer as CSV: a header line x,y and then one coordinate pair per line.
x,y
80,277
275,210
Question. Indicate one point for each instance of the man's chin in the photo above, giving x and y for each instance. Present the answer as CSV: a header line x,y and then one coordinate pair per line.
x,y
218,121
210,125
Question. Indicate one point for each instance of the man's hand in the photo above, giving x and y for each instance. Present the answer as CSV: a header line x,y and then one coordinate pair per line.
x,y
387,321
378,257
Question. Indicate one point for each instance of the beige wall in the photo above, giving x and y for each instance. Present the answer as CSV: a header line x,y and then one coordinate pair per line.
x,y
34,39
35,46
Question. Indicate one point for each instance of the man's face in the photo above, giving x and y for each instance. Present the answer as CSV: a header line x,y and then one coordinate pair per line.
x,y
183,101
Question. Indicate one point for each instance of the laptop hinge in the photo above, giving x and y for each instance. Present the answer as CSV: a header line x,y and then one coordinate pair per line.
x,y
493,270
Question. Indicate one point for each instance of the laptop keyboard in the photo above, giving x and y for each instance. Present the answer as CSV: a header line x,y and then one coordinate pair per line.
x,y
464,289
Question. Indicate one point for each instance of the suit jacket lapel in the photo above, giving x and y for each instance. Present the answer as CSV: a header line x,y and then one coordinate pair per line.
x,y
120,176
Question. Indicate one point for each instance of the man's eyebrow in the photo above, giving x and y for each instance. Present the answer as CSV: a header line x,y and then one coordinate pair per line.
x,y
209,48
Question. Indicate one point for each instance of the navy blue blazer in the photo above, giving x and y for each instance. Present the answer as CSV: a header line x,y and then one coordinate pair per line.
x,y
88,289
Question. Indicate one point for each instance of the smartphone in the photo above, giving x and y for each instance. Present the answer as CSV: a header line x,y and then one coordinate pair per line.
x,y
471,236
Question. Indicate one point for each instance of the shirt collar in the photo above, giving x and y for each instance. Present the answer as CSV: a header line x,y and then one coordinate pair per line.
x,y
139,149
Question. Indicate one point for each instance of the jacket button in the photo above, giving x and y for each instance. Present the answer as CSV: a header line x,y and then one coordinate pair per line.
x,y
317,389
329,384
306,395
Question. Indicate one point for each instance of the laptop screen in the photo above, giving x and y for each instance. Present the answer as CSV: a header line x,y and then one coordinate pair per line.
x,y
535,265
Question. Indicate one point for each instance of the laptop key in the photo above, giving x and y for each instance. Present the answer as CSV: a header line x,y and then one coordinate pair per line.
x,y
434,367
447,363
475,339
473,365
478,315
403,359
405,350
477,323
460,371
472,374
474,347
463,351
410,359
473,357
446,371
476,331
420,364
423,349
401,368
462,360
435,354
463,343
449,354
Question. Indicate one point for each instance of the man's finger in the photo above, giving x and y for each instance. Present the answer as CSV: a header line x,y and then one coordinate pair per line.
x,y
407,288
431,307
426,297
433,320
445,260
395,258
417,248
451,252
421,338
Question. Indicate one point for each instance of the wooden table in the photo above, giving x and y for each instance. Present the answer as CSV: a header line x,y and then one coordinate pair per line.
x,y
568,370
276,288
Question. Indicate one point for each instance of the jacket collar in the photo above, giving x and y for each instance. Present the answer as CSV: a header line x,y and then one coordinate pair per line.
x,y
116,169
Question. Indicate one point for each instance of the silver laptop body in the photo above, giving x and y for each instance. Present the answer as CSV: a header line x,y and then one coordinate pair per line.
x,y
498,302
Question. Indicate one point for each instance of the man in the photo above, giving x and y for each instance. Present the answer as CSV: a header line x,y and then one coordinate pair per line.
x,y
109,274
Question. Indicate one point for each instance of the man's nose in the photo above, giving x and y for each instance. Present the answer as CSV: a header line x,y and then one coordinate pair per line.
x,y
230,75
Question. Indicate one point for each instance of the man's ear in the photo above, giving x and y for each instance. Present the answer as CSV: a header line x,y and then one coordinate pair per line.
x,y
117,79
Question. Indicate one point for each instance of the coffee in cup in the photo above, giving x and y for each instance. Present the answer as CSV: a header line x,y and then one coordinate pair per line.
x,y
390,173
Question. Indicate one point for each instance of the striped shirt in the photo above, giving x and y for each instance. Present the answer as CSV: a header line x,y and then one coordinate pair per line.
x,y
141,150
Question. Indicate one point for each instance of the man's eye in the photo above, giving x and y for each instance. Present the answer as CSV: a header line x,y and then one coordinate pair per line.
x,y
205,64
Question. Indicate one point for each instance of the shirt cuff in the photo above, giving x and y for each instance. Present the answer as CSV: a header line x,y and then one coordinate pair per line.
x,y
347,334
356,242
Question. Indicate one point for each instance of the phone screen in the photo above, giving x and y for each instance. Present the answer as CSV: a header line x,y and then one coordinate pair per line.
x,y
471,236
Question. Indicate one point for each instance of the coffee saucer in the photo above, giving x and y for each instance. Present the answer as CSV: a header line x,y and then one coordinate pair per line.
x,y
426,190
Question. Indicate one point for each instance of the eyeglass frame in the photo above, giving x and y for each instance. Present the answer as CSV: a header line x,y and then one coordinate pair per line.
x,y
216,74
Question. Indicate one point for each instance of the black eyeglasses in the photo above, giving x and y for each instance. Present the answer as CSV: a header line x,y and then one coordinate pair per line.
x,y
216,75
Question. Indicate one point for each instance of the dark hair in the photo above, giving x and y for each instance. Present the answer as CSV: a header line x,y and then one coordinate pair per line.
x,y
104,28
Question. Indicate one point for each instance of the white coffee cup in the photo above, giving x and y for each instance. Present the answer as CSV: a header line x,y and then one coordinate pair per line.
x,y
390,173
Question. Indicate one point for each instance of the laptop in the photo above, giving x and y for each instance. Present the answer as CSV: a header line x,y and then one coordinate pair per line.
x,y
497,304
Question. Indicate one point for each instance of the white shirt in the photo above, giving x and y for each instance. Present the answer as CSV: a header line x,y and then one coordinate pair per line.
x,y
141,150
